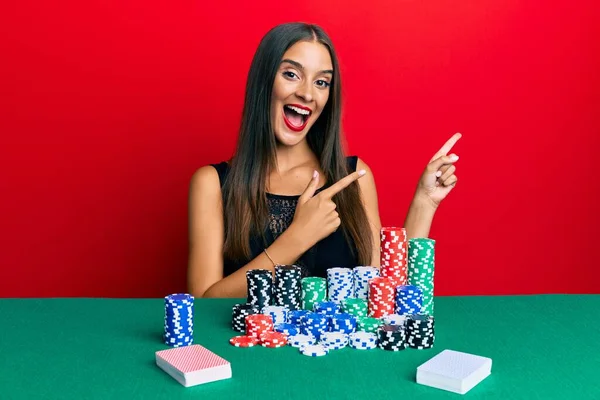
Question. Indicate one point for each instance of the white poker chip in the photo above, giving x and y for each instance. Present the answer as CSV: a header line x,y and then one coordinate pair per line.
x,y
314,350
300,340
333,340
363,336
394,319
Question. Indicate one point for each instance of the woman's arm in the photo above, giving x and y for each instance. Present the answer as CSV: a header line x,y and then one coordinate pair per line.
x,y
436,182
206,236
419,217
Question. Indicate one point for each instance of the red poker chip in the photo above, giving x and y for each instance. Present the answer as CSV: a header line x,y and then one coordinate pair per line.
x,y
272,345
243,341
273,337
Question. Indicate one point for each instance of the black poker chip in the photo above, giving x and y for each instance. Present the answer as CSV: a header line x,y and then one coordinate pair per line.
x,y
260,287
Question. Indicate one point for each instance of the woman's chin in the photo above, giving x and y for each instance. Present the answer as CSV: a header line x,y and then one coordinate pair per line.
x,y
288,137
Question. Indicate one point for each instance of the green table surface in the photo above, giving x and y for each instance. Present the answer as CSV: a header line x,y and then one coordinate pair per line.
x,y
542,347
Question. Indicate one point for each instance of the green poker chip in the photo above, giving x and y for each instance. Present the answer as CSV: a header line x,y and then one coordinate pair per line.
x,y
421,266
314,290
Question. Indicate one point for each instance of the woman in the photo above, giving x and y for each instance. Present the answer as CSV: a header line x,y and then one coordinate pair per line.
x,y
289,195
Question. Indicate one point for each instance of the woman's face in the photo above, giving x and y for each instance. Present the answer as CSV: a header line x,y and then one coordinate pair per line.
x,y
300,91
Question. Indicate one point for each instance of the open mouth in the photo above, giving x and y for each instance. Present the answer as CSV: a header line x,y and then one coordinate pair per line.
x,y
295,116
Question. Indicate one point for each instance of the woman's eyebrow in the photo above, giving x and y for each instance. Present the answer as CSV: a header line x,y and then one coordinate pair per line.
x,y
301,67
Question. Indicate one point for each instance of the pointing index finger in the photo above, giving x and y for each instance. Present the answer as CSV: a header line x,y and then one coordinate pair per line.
x,y
342,184
447,146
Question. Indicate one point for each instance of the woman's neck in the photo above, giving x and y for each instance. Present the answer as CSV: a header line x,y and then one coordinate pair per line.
x,y
289,157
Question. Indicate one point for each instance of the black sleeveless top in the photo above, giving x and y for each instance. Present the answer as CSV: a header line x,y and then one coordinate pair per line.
x,y
333,251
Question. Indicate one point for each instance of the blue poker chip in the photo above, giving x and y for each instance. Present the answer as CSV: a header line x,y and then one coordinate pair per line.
x,y
296,315
179,297
179,320
288,329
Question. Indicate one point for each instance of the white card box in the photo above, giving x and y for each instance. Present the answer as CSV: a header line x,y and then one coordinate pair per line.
x,y
454,371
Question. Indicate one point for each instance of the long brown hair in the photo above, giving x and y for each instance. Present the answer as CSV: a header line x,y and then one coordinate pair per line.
x,y
246,210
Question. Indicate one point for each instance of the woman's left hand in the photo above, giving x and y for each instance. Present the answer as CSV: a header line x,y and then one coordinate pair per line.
x,y
439,177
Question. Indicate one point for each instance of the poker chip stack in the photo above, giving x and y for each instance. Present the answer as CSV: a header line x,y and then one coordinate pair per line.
x,y
278,314
421,265
273,339
340,284
356,307
238,316
314,290
394,319
409,300
334,340
381,297
391,337
420,333
363,340
301,340
327,308
394,249
343,322
179,320
296,316
314,324
257,324
287,329
368,324
314,350
288,288
361,277
260,287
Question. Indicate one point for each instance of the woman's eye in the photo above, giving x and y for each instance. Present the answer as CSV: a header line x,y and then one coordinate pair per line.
x,y
289,74
323,83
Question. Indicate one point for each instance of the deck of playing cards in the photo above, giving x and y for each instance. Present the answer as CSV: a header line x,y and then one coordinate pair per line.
x,y
454,371
193,365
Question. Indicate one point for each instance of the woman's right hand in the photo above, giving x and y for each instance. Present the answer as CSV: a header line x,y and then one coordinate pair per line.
x,y
315,217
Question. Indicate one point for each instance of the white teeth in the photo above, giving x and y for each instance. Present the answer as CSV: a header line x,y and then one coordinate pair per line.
x,y
298,110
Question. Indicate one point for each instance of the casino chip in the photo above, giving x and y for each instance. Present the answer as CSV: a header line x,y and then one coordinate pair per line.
x,y
260,287
238,316
279,314
256,324
394,250
391,337
381,297
179,320
363,340
343,322
273,339
340,284
301,340
314,290
356,307
368,324
244,341
326,308
314,324
421,265
394,319
334,340
287,329
288,287
315,350
295,316
409,299
420,333
361,276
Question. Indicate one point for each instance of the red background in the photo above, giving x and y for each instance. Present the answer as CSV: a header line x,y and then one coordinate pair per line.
x,y
109,107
